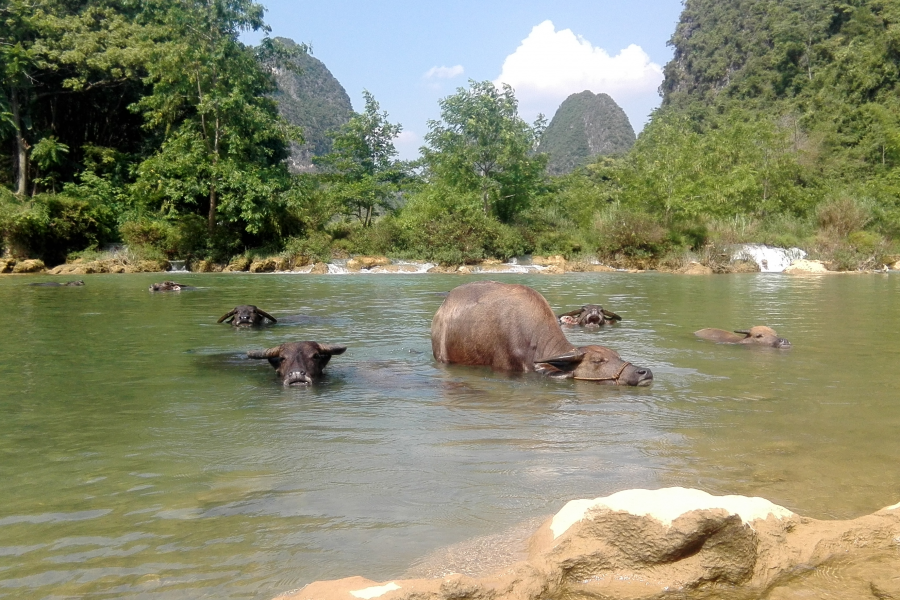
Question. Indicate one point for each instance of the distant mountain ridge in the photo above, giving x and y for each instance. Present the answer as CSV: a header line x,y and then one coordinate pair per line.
x,y
585,125
313,100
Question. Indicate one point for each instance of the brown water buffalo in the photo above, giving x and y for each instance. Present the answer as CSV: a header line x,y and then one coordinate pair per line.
x,y
759,335
169,286
298,363
512,328
77,283
246,315
589,315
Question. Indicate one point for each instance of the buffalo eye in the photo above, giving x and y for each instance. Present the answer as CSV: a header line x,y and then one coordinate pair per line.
x,y
598,361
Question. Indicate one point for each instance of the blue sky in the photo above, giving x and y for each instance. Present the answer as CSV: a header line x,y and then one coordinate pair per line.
x,y
410,54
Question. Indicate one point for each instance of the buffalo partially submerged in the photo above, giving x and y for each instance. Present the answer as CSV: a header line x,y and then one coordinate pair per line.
x,y
512,328
246,315
589,315
77,283
169,286
759,335
298,363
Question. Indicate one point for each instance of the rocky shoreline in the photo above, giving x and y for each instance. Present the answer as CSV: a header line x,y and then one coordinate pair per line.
x,y
670,543
547,265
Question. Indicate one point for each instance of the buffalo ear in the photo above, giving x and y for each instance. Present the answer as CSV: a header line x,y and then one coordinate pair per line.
x,y
331,349
266,315
551,371
565,363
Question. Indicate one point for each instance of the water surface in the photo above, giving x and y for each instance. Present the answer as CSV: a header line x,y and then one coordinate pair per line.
x,y
144,457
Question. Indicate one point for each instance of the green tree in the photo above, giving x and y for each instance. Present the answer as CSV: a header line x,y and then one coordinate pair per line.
x,y
362,169
224,143
482,145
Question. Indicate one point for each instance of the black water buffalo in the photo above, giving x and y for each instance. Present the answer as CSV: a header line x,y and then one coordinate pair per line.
x,y
759,335
589,315
512,328
169,286
298,363
246,315
77,283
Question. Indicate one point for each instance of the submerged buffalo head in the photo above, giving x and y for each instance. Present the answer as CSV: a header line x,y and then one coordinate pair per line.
x,y
246,315
298,363
594,363
168,286
589,315
759,335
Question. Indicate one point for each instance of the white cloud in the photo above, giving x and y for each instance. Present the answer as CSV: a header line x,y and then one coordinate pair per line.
x,y
550,65
444,72
407,145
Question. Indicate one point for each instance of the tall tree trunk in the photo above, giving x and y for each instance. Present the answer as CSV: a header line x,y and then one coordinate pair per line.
x,y
212,207
21,145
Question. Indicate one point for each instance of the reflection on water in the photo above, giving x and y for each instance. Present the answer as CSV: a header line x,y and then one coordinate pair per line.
x,y
144,456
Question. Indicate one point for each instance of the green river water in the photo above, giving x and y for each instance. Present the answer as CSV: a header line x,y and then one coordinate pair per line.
x,y
142,456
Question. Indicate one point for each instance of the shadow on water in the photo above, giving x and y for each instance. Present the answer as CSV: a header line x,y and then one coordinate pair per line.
x,y
145,456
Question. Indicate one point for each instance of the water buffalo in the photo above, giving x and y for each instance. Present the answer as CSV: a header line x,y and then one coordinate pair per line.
x,y
246,315
589,315
298,363
759,335
512,328
77,283
169,286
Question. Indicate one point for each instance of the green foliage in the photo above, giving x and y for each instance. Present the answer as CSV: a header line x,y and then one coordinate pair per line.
x,y
361,172
182,239
444,226
49,226
482,146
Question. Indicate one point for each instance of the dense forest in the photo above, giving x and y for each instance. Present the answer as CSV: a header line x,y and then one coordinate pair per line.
x,y
151,124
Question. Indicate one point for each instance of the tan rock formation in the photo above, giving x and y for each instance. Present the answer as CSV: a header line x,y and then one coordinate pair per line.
x,y
367,262
7,264
744,266
443,269
240,263
695,268
553,270
671,543
263,265
319,268
34,265
581,267
806,266
206,266
544,261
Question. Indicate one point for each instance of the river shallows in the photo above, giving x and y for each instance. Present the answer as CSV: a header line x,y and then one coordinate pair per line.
x,y
143,457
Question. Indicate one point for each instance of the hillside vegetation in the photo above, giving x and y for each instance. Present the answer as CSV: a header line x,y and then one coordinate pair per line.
x,y
152,124
585,125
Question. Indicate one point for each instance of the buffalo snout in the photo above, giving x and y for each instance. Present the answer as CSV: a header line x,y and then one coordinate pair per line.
x,y
299,363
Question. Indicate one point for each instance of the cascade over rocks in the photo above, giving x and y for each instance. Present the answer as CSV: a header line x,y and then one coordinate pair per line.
x,y
669,543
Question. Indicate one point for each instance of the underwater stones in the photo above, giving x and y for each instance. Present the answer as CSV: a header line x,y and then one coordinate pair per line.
x,y
642,544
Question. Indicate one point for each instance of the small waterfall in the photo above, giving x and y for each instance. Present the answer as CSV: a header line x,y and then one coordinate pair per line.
x,y
334,269
769,259
177,266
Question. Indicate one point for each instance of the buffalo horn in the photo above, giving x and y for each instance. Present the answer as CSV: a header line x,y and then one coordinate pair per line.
x,y
571,313
610,314
573,357
267,315
332,349
230,313
742,331
269,353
